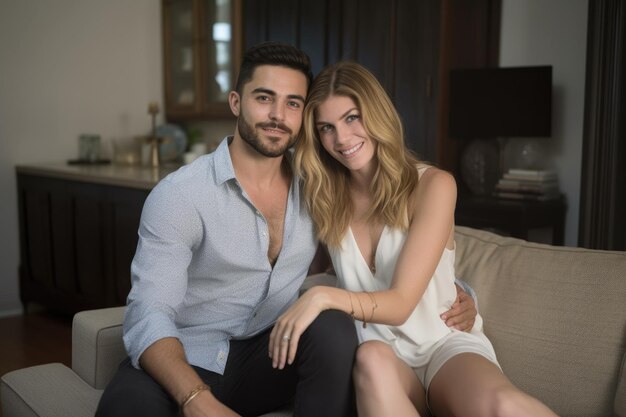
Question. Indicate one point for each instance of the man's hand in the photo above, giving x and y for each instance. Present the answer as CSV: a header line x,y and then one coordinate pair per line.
x,y
462,314
206,405
166,362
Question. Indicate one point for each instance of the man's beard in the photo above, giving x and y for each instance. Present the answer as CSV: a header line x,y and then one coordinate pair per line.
x,y
248,134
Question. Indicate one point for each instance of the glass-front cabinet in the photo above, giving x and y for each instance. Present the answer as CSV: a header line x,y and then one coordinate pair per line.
x,y
202,51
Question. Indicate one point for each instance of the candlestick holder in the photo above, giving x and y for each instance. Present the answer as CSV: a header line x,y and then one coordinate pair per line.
x,y
153,140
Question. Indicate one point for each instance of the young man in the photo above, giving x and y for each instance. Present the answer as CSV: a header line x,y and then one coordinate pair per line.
x,y
224,246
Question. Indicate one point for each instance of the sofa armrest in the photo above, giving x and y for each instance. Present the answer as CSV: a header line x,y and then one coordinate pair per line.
x,y
97,346
49,390
555,316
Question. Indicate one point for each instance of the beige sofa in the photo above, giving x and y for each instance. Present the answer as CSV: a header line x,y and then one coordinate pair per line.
x,y
556,317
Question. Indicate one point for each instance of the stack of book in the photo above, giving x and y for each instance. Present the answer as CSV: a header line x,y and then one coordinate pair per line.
x,y
524,184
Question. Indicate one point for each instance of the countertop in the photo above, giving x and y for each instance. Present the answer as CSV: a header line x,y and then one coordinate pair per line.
x,y
132,176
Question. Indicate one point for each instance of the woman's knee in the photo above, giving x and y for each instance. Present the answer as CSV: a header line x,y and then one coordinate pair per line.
x,y
372,359
508,401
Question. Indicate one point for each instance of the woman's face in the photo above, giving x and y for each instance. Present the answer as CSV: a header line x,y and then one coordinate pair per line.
x,y
340,128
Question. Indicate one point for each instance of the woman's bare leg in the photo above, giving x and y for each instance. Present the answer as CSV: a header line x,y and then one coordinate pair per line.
x,y
385,385
470,385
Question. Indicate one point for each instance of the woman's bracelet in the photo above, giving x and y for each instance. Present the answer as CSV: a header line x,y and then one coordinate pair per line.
x,y
351,305
374,305
193,393
362,311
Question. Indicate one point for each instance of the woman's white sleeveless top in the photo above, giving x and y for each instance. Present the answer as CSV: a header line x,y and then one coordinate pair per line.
x,y
419,336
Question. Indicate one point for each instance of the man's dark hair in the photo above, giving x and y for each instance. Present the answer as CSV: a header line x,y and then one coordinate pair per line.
x,y
273,53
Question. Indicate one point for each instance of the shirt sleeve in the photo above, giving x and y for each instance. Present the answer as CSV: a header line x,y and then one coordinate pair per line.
x,y
169,230
466,287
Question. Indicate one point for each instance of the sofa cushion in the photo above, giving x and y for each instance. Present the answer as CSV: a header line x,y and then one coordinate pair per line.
x,y
49,390
555,316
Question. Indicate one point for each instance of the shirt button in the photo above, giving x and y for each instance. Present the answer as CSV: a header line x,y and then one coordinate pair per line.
x,y
220,356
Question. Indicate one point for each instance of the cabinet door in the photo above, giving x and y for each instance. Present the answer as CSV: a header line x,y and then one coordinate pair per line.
x,y
62,244
201,54
35,235
85,221
182,71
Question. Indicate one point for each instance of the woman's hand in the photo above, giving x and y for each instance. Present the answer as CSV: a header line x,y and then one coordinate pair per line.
x,y
291,324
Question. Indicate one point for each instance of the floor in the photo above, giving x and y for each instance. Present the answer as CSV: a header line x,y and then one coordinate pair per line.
x,y
34,339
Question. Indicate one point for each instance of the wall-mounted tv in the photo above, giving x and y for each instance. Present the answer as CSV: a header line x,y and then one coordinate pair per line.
x,y
500,102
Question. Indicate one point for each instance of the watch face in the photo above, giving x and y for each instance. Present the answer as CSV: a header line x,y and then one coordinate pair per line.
x,y
480,168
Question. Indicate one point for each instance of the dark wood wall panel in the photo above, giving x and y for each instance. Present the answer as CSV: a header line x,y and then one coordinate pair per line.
x,y
403,42
334,24
416,80
349,29
254,22
283,22
470,37
312,32
397,40
376,39
469,24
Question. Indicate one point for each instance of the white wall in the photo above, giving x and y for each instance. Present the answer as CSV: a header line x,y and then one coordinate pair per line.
x,y
68,67
554,32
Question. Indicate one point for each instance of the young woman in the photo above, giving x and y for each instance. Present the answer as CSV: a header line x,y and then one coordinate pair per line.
x,y
388,222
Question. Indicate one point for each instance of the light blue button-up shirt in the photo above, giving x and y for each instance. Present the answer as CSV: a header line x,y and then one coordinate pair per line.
x,y
201,272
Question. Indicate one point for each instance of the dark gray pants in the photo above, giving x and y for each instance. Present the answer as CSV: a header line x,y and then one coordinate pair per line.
x,y
319,383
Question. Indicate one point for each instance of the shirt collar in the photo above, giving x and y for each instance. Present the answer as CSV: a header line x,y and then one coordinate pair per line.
x,y
224,170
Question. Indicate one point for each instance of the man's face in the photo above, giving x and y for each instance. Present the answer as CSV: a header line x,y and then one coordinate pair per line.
x,y
270,109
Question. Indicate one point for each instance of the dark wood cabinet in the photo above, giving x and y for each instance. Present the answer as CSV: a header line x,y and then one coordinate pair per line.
x,y
77,240
516,218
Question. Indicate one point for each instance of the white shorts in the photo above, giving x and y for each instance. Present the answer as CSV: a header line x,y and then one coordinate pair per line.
x,y
451,345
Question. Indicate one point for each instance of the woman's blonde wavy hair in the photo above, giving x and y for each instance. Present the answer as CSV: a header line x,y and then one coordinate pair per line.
x,y
326,181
